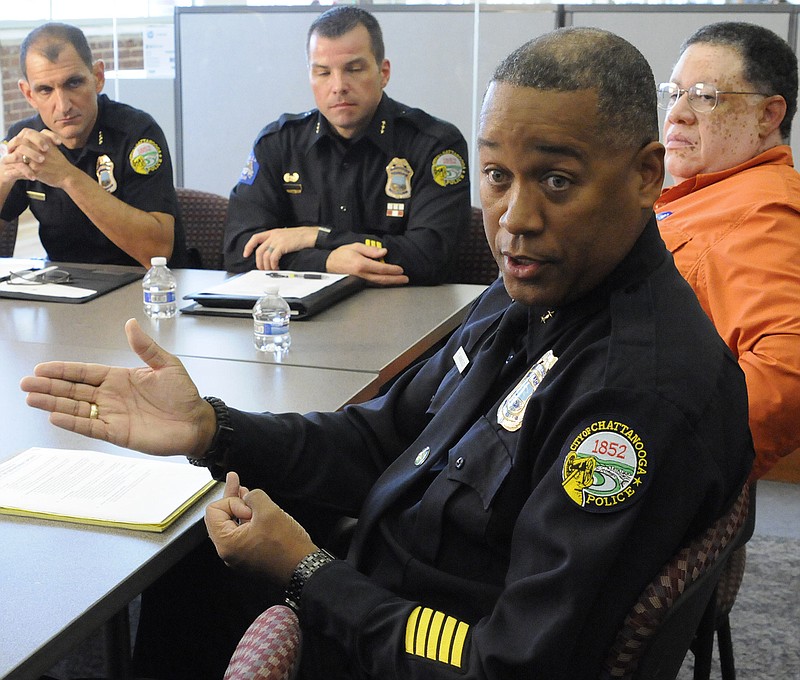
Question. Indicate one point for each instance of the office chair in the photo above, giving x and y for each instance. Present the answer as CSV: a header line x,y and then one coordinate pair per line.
x,y
203,215
681,600
269,649
8,238
474,262
727,589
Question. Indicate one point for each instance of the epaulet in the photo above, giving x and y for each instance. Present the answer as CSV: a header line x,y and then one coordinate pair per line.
x,y
286,120
425,122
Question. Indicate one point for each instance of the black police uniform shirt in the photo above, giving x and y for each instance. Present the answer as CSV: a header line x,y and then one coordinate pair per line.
x,y
403,184
127,155
506,525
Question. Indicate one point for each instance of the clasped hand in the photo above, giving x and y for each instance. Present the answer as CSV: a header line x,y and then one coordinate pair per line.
x,y
252,533
34,155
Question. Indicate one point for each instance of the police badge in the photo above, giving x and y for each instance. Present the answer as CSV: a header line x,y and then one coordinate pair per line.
x,y
105,174
398,184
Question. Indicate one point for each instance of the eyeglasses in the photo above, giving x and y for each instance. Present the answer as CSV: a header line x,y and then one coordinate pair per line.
x,y
38,277
702,97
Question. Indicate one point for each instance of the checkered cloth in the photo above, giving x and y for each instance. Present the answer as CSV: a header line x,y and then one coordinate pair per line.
x,y
269,649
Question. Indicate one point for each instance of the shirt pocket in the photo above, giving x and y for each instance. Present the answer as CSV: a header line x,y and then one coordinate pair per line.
x,y
306,208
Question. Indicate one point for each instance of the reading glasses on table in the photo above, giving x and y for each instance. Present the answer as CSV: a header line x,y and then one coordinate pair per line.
x,y
38,277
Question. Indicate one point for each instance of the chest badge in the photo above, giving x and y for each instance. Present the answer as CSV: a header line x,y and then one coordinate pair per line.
x,y
512,410
291,183
105,174
398,183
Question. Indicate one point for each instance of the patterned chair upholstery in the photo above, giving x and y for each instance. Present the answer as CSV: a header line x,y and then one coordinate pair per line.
x,y
730,581
680,601
474,261
8,239
203,215
269,649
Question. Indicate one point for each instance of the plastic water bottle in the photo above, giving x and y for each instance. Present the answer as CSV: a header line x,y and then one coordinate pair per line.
x,y
271,316
159,288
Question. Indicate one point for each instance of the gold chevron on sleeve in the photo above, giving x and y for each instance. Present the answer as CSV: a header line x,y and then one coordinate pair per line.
x,y
436,636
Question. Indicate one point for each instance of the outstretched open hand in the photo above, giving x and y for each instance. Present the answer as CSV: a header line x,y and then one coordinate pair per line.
x,y
154,409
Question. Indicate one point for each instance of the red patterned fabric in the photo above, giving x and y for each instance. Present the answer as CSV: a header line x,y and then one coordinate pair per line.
x,y
269,649
685,567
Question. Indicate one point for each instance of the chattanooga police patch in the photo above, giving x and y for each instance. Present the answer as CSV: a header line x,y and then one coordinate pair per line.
x,y
605,465
145,157
448,168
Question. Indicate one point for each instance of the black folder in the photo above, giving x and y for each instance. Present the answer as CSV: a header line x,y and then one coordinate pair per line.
x,y
210,304
100,278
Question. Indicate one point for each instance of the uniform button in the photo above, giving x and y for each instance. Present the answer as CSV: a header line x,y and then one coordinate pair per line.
x,y
459,463
343,208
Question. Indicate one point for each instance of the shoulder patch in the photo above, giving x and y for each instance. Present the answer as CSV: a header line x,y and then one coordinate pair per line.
x,y
250,169
604,465
145,158
448,168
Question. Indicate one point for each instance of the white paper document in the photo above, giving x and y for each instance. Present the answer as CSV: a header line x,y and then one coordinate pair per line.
x,y
99,488
291,284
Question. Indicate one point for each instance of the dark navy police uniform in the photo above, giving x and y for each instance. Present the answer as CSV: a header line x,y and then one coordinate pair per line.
x,y
404,183
127,154
508,523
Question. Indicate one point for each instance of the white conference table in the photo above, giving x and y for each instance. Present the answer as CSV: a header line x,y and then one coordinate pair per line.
x,y
377,330
58,581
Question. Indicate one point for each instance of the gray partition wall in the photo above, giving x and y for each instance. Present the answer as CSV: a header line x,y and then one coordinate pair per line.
x,y
658,31
238,68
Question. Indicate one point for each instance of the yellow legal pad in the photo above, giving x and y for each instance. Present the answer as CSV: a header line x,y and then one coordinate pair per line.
x,y
104,489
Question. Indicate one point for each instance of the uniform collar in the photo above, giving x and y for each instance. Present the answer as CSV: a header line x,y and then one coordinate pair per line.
x,y
777,155
379,131
647,254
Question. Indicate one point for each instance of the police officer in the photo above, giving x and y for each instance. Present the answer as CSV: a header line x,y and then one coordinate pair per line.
x,y
95,173
517,491
362,184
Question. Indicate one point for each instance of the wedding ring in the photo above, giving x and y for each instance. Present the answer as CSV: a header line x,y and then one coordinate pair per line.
x,y
26,160
270,249
93,411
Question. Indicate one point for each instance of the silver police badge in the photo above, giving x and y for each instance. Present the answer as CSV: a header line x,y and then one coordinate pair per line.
x,y
512,410
105,174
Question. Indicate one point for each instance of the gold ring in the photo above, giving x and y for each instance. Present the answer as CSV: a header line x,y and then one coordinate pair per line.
x,y
26,160
94,412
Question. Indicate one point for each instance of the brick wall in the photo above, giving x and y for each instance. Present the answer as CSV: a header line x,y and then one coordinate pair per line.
x,y
14,105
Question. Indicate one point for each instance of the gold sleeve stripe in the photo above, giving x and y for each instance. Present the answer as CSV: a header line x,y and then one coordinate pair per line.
x,y
447,639
411,629
458,643
434,635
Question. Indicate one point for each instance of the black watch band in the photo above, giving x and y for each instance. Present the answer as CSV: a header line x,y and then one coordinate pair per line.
x,y
216,456
302,572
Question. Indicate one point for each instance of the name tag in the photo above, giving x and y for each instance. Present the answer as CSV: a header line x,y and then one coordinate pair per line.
x,y
35,195
461,359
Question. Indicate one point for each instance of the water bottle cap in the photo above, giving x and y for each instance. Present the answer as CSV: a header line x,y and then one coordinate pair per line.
x,y
271,288
158,261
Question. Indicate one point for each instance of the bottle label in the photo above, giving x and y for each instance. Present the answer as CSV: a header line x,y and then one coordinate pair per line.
x,y
263,328
159,297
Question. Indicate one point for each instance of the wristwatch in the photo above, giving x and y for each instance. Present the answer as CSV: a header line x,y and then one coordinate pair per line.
x,y
302,572
216,456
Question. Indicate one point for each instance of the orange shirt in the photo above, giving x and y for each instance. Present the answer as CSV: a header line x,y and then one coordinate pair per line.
x,y
735,236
